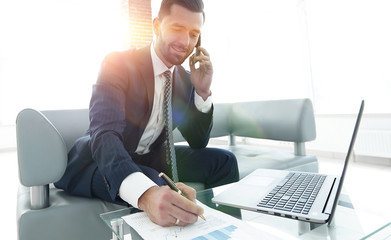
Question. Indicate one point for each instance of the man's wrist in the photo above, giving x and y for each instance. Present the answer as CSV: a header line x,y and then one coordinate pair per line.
x,y
204,94
202,105
133,187
142,200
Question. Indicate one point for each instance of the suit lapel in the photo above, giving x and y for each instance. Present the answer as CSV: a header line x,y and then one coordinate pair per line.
x,y
146,70
182,94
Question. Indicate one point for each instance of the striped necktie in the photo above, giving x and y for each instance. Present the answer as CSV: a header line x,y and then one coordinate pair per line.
x,y
167,111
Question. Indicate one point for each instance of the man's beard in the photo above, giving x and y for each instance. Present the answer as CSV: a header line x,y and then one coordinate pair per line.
x,y
175,59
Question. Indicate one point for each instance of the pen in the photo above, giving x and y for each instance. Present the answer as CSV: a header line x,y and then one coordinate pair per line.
x,y
172,185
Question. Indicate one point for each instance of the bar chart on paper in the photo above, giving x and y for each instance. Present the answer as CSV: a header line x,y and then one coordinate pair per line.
x,y
220,234
218,226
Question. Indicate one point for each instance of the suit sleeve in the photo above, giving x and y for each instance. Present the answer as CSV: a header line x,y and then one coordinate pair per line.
x,y
196,126
107,123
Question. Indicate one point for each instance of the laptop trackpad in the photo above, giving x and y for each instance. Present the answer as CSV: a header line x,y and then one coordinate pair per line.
x,y
249,191
258,181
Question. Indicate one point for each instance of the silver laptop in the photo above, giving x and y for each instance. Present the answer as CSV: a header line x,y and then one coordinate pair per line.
x,y
306,196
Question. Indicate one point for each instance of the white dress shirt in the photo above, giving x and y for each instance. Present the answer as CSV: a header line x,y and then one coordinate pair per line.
x,y
129,191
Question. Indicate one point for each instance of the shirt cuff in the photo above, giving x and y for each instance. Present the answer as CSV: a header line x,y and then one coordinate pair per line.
x,y
201,105
133,186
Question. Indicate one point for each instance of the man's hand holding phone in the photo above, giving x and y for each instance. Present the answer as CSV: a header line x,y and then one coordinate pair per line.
x,y
201,77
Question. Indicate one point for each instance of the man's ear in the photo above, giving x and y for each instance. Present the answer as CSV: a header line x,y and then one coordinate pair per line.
x,y
156,26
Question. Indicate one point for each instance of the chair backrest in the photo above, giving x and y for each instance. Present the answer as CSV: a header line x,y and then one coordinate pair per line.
x,y
221,122
71,124
283,120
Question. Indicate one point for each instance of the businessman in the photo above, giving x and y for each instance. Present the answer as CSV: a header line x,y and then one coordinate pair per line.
x,y
123,151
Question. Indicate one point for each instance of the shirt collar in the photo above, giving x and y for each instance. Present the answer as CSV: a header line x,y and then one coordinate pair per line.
x,y
158,66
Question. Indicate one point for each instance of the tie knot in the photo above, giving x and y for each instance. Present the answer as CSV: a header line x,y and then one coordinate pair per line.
x,y
167,74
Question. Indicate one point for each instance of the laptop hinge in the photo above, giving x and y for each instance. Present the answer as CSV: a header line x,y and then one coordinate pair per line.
x,y
329,204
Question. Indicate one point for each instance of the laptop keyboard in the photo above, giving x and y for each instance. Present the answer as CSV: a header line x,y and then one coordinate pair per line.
x,y
296,193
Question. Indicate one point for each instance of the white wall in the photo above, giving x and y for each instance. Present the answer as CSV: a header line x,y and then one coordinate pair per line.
x,y
334,134
7,137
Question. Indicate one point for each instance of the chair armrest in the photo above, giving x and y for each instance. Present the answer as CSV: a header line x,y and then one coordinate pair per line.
x,y
42,153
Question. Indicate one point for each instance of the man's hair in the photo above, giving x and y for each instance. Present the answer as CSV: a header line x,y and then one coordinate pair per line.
x,y
192,5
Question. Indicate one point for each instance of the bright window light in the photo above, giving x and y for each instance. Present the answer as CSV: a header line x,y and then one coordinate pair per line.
x,y
335,52
50,52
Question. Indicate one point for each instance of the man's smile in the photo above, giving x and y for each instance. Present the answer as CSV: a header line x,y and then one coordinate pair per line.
x,y
179,50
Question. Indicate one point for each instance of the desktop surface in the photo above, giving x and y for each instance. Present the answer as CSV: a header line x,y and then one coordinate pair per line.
x,y
346,224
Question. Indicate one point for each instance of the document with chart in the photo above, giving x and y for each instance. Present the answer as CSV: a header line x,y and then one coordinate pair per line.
x,y
217,226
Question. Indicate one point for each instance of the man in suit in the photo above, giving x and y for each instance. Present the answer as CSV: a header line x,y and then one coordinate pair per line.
x,y
122,152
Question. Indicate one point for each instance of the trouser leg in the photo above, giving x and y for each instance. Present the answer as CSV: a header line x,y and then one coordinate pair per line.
x,y
211,166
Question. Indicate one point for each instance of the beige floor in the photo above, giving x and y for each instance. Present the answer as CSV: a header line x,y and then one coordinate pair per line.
x,y
364,182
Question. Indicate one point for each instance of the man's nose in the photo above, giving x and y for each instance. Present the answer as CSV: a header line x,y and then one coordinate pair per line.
x,y
185,40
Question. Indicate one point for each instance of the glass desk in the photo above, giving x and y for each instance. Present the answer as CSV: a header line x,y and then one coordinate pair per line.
x,y
346,224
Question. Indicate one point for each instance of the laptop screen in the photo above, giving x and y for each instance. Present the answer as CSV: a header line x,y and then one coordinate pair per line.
x,y
348,155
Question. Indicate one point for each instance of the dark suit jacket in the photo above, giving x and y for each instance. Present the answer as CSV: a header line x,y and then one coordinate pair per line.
x,y
120,108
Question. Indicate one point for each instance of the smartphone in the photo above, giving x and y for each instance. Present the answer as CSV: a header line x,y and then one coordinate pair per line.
x,y
197,53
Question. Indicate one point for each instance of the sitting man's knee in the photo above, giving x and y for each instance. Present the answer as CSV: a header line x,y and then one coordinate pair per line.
x,y
232,168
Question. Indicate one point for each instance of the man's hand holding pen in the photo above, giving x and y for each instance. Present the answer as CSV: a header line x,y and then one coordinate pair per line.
x,y
166,207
